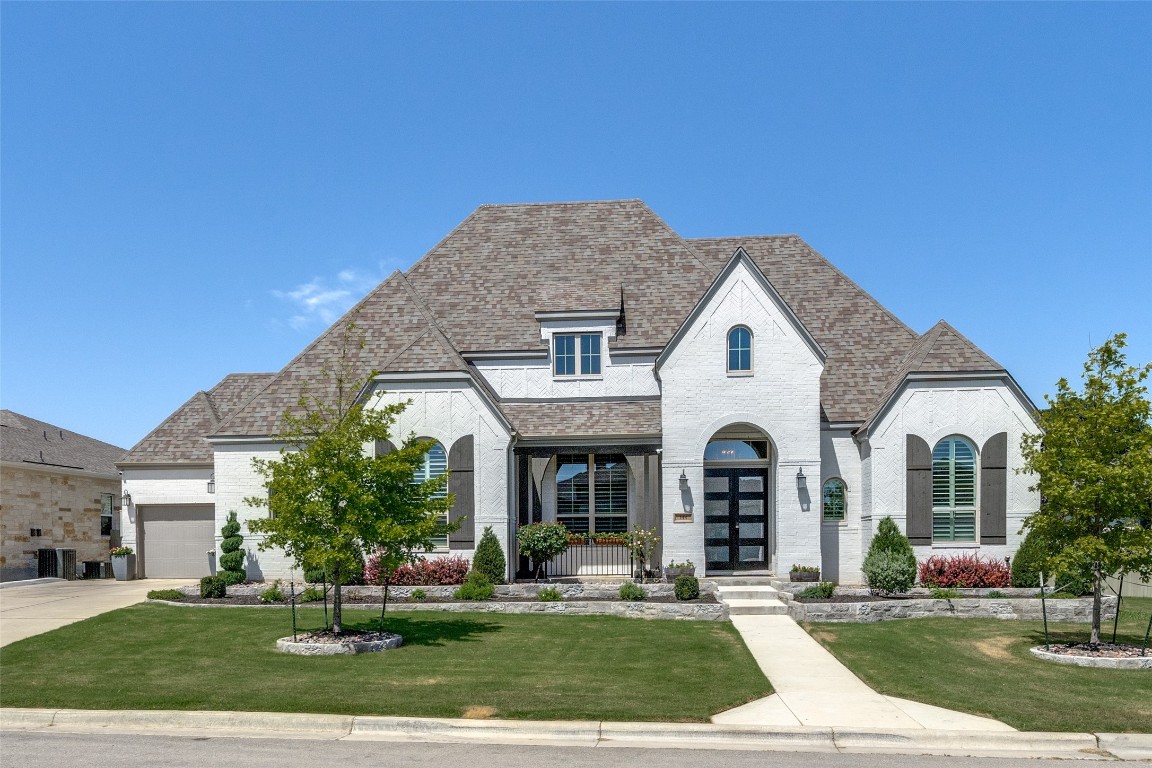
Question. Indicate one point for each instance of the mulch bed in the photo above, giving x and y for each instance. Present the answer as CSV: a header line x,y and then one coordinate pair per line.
x,y
1100,651
369,600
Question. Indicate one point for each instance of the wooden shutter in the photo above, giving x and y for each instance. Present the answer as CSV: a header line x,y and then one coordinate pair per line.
x,y
919,481
462,486
384,447
994,490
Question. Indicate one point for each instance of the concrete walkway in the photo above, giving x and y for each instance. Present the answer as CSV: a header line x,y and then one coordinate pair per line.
x,y
41,605
814,689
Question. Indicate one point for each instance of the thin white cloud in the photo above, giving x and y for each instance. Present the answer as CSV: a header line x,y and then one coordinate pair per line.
x,y
323,300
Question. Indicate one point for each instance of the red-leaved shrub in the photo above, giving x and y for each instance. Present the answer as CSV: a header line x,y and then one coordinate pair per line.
x,y
422,573
964,571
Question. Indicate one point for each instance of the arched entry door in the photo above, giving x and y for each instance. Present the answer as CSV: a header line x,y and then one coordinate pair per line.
x,y
737,504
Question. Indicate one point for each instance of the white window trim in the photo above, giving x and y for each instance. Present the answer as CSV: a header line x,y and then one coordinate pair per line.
x,y
974,542
579,372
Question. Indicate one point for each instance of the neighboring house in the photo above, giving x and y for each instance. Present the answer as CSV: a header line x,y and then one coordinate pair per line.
x,y
581,362
58,490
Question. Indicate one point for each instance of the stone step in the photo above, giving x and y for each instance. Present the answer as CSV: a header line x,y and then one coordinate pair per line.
x,y
742,607
743,581
752,592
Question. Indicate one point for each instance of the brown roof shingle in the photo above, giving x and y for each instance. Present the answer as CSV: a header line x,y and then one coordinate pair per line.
x,y
640,418
39,444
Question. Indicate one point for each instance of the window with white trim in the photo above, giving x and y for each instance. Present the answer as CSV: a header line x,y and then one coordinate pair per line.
x,y
435,465
835,505
953,490
740,350
592,492
576,354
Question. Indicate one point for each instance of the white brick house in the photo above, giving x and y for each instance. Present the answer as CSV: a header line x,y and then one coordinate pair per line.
x,y
583,363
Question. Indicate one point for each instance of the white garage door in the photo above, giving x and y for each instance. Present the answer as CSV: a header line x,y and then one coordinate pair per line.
x,y
176,540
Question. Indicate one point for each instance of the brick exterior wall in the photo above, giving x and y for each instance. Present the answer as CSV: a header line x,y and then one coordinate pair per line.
x,y
64,506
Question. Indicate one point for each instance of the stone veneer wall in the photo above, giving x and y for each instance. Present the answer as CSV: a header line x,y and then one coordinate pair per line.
x,y
65,507
1029,609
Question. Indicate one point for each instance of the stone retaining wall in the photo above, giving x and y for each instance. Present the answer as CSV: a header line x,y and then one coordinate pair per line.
x,y
1077,610
569,591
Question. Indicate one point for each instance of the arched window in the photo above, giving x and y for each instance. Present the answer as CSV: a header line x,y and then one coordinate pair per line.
x,y
834,503
739,350
435,464
954,490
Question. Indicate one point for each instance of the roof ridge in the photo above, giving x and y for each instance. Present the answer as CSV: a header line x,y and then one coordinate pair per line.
x,y
163,422
944,325
538,204
212,405
682,240
433,323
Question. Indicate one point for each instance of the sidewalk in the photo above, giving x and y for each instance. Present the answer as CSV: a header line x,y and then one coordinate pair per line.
x,y
814,689
41,605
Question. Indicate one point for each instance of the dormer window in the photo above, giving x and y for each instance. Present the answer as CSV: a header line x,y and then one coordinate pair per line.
x,y
576,354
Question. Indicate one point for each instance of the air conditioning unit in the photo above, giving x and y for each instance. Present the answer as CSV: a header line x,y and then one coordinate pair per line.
x,y
66,564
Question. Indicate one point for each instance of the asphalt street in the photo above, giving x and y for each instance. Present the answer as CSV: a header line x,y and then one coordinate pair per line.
x,y
19,749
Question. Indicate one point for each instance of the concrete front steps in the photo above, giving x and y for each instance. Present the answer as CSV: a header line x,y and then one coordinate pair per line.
x,y
750,596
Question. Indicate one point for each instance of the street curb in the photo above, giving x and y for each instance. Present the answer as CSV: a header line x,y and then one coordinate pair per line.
x,y
589,733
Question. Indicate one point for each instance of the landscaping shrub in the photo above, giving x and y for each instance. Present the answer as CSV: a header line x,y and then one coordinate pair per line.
x,y
231,578
311,595
231,556
475,587
686,588
995,594
418,594
213,586
549,595
1074,580
1031,558
632,592
540,542
821,591
890,565
939,593
317,576
489,558
165,594
967,570
272,594
423,573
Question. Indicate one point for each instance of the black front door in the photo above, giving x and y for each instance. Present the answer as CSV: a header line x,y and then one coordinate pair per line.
x,y
735,518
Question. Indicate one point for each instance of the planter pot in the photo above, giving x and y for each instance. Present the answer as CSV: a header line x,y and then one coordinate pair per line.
x,y
671,573
124,567
804,576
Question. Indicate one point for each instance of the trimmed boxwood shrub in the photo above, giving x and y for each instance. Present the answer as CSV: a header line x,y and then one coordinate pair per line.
x,y
890,565
166,594
231,578
632,592
822,591
231,556
489,558
317,576
475,587
686,588
213,586
1031,558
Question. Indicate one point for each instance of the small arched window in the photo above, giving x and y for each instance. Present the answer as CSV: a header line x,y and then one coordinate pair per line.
x,y
834,502
739,350
954,490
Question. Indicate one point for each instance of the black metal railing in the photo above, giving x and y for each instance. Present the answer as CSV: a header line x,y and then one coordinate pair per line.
x,y
591,559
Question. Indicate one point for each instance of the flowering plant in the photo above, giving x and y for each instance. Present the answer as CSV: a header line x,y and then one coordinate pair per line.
x,y
120,551
804,569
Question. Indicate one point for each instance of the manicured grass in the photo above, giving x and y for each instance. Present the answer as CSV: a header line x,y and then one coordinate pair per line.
x,y
451,665
982,666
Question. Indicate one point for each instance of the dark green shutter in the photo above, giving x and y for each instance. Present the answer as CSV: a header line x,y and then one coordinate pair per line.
x,y
994,490
461,484
919,489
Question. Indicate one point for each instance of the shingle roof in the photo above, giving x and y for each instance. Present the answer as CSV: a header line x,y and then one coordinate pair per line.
x,y
180,439
576,419
480,288
40,444
941,349
864,341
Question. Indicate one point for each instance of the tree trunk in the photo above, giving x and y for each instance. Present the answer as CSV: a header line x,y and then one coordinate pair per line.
x,y
336,602
384,603
1096,597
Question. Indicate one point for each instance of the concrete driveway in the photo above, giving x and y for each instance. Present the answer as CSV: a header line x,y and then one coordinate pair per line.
x,y
41,605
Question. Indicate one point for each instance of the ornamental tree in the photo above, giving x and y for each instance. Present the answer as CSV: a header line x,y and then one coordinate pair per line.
x,y
1093,462
330,500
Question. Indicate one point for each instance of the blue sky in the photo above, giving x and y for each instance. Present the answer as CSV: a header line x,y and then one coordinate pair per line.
x,y
189,190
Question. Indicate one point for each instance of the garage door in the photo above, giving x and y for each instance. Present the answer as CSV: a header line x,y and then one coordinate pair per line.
x,y
176,540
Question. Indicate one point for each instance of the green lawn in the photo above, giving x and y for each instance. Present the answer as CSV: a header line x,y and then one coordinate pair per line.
x,y
982,666
451,665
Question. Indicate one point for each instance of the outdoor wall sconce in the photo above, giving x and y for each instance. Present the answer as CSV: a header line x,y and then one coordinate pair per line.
x,y
212,485
801,481
126,499
683,481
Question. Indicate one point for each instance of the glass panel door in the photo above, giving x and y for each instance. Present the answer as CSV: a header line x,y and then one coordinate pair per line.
x,y
735,519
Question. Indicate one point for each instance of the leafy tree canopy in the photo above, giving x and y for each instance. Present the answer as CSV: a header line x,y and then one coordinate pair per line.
x,y
1093,464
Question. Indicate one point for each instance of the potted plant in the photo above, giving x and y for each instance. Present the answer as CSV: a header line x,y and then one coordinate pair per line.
x,y
123,563
804,573
674,569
